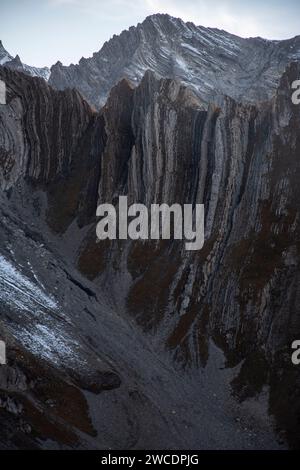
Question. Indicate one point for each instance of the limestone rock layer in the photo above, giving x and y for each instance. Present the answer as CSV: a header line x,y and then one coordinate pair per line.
x,y
157,142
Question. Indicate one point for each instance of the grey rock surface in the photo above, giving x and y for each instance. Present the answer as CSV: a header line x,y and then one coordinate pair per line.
x,y
210,61
149,345
15,63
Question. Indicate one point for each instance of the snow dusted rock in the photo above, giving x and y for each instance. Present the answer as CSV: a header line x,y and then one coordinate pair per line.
x,y
212,62
4,55
16,64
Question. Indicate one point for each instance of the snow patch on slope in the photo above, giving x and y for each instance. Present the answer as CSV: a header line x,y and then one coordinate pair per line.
x,y
37,72
25,293
50,343
36,320
5,59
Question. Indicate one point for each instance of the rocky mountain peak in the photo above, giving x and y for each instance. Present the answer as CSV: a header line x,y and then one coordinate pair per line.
x,y
4,55
16,64
211,62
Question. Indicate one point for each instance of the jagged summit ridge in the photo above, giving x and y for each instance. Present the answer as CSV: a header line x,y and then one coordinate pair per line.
x,y
211,61
4,55
7,60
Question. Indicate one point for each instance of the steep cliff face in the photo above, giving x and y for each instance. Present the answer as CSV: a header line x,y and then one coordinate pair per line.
x,y
242,288
52,140
210,61
4,55
128,312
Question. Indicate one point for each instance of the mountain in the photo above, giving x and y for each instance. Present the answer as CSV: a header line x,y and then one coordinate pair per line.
x,y
143,340
4,55
16,64
212,62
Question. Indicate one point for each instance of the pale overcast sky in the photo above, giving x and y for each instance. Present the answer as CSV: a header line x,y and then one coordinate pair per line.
x,y
45,31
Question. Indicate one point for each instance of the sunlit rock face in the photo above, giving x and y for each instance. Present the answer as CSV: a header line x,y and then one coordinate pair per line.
x,y
112,322
210,61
